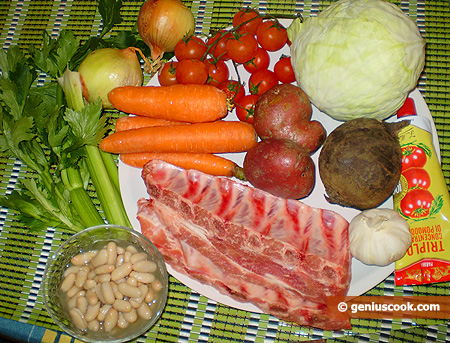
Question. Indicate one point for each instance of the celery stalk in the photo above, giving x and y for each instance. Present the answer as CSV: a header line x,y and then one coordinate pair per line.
x,y
110,201
101,166
80,199
111,167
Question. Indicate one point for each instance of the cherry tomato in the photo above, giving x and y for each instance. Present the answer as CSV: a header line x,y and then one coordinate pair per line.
x,y
260,61
218,71
283,70
271,35
261,81
413,156
245,108
417,178
234,91
190,48
243,48
251,17
191,72
219,49
416,203
166,75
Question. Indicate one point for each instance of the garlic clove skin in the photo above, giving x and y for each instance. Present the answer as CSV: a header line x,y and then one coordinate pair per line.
x,y
379,236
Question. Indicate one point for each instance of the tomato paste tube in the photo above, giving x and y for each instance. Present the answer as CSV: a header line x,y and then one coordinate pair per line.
x,y
422,198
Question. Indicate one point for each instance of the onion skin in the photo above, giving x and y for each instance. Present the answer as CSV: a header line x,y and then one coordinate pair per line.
x,y
360,163
162,23
105,69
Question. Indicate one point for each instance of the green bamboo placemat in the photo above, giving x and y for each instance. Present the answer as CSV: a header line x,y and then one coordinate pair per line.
x,y
190,317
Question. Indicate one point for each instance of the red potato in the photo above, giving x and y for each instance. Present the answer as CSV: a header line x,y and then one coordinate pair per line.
x,y
280,167
285,112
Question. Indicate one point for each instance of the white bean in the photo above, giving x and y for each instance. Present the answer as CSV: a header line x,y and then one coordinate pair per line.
x,y
72,303
71,269
127,255
157,285
131,248
104,269
129,291
122,323
77,319
143,277
131,316
102,278
92,312
122,306
110,321
91,297
120,250
100,259
103,311
68,282
132,281
81,278
144,311
145,266
89,284
83,259
82,304
98,292
140,256
94,325
149,296
119,261
91,274
123,271
112,252
108,293
72,291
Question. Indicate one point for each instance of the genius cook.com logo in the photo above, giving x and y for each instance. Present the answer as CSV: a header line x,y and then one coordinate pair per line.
x,y
384,307
372,307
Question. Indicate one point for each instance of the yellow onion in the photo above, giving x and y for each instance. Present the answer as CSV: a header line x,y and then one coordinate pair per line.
x,y
105,69
162,23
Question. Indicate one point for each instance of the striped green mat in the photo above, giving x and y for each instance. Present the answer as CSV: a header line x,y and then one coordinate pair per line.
x,y
190,317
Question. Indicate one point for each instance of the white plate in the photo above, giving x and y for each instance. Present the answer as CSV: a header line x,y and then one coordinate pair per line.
x,y
364,277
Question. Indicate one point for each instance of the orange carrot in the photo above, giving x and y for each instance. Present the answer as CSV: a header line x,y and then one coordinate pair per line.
x,y
137,122
189,103
207,163
213,137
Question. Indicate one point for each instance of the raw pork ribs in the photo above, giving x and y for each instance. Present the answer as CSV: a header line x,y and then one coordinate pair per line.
x,y
281,255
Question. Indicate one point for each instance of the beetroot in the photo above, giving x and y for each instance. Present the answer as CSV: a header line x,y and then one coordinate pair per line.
x,y
360,162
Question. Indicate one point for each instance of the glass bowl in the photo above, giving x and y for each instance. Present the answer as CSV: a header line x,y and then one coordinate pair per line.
x,y
95,238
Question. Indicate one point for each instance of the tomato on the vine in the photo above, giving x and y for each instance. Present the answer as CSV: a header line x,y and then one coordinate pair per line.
x,y
261,81
234,91
191,48
245,108
271,35
413,156
218,71
417,203
192,72
261,60
243,48
167,74
219,49
417,178
283,70
250,17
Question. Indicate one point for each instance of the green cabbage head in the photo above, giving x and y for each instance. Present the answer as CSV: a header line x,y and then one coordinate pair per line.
x,y
357,58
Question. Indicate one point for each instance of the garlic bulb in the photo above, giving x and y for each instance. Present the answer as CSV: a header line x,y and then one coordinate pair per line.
x,y
379,236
